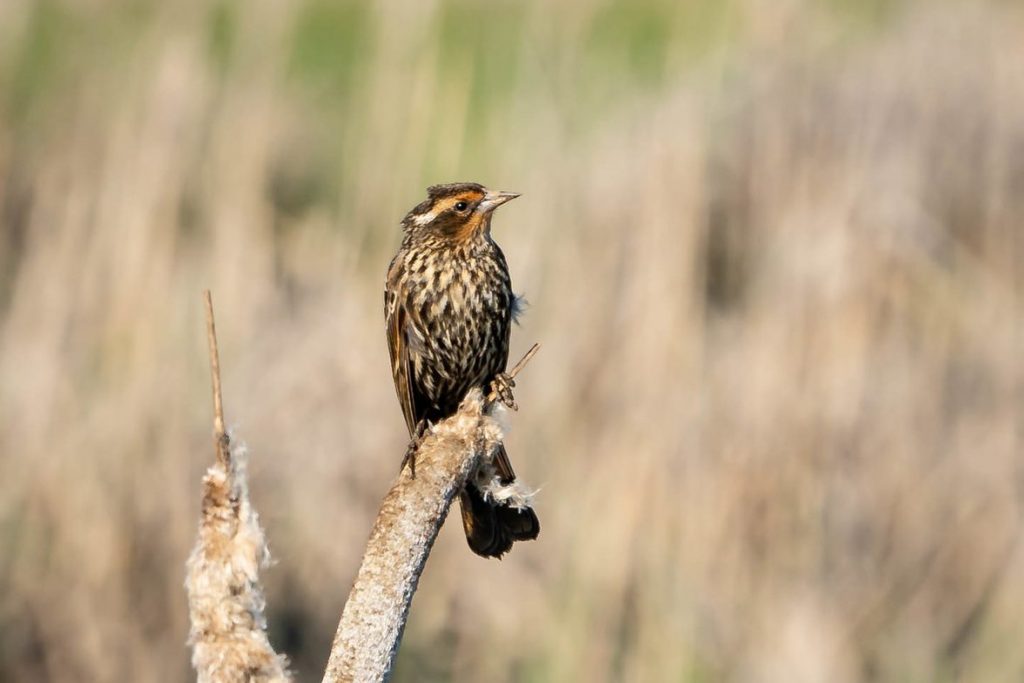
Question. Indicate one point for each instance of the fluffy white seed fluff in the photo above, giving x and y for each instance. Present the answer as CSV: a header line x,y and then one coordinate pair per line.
x,y
226,604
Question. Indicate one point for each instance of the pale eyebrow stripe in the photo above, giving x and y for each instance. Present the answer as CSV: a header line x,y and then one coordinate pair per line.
x,y
442,206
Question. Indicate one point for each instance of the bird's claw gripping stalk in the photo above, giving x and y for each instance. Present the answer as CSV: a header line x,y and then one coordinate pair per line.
x,y
414,444
501,389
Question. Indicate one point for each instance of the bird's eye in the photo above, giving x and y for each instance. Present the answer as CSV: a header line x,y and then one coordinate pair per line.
x,y
461,206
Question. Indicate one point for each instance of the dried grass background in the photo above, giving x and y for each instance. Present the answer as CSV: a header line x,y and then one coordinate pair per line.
x,y
773,253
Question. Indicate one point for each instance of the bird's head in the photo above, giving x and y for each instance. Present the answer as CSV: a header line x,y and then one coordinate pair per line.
x,y
457,212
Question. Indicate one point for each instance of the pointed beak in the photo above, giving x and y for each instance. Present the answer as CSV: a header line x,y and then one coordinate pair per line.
x,y
493,200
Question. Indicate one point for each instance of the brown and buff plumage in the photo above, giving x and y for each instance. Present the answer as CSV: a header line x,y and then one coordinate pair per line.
x,y
449,306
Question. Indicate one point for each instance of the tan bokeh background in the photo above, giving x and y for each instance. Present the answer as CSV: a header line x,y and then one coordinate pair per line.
x,y
773,253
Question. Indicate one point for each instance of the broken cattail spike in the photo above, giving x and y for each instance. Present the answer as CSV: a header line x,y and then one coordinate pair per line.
x,y
221,442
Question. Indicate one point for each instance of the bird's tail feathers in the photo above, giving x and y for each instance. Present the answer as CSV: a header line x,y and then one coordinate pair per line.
x,y
496,509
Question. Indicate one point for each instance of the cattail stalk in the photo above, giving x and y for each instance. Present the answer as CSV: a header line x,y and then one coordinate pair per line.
x,y
228,631
410,517
368,636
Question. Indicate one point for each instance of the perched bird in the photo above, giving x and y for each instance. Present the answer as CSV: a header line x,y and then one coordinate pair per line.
x,y
449,306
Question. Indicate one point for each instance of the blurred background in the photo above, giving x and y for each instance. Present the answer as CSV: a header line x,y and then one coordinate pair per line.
x,y
773,253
